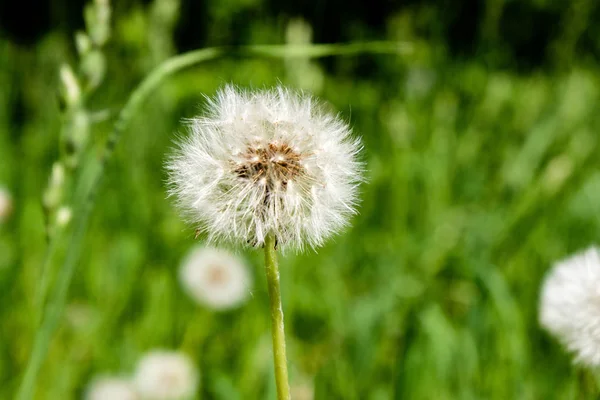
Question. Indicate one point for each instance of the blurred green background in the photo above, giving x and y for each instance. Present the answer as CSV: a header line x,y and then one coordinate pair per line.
x,y
481,146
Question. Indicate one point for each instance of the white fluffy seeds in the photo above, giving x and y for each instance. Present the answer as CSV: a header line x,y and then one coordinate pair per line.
x,y
570,305
111,388
267,162
215,278
166,375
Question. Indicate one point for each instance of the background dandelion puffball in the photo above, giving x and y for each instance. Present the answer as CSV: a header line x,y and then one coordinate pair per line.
x,y
570,305
215,278
111,388
166,375
269,161
5,204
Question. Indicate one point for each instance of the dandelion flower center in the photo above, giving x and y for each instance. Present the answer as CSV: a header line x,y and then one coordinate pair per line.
x,y
215,278
273,166
217,275
170,380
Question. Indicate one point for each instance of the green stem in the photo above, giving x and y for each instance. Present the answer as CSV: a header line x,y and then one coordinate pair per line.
x,y
277,330
587,388
328,50
42,289
56,302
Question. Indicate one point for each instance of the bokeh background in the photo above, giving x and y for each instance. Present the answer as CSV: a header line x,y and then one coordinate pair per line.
x,y
481,145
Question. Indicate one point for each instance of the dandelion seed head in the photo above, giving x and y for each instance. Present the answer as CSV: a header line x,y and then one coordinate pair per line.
x,y
265,162
215,278
570,305
111,388
166,375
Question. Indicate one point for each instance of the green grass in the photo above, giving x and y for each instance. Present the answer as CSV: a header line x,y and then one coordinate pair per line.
x,y
477,181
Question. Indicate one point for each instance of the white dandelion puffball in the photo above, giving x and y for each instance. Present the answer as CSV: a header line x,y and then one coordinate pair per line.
x,y
267,162
6,204
166,375
111,388
215,278
570,305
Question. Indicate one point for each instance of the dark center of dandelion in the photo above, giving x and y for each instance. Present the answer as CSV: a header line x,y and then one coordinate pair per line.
x,y
275,165
169,379
217,276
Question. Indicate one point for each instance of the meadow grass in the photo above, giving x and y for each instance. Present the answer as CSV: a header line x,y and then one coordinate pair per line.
x,y
478,179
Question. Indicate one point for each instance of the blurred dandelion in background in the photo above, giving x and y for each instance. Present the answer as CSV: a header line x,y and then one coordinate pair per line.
x,y
267,162
302,391
6,204
111,388
166,375
570,305
215,278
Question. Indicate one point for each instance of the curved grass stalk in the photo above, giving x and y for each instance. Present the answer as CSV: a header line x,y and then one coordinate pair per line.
x,y
52,311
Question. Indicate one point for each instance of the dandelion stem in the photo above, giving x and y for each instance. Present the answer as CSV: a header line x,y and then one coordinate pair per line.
x,y
277,330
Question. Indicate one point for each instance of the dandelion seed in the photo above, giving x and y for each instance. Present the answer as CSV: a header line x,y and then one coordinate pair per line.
x,y
570,305
111,388
267,162
166,375
6,204
215,278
